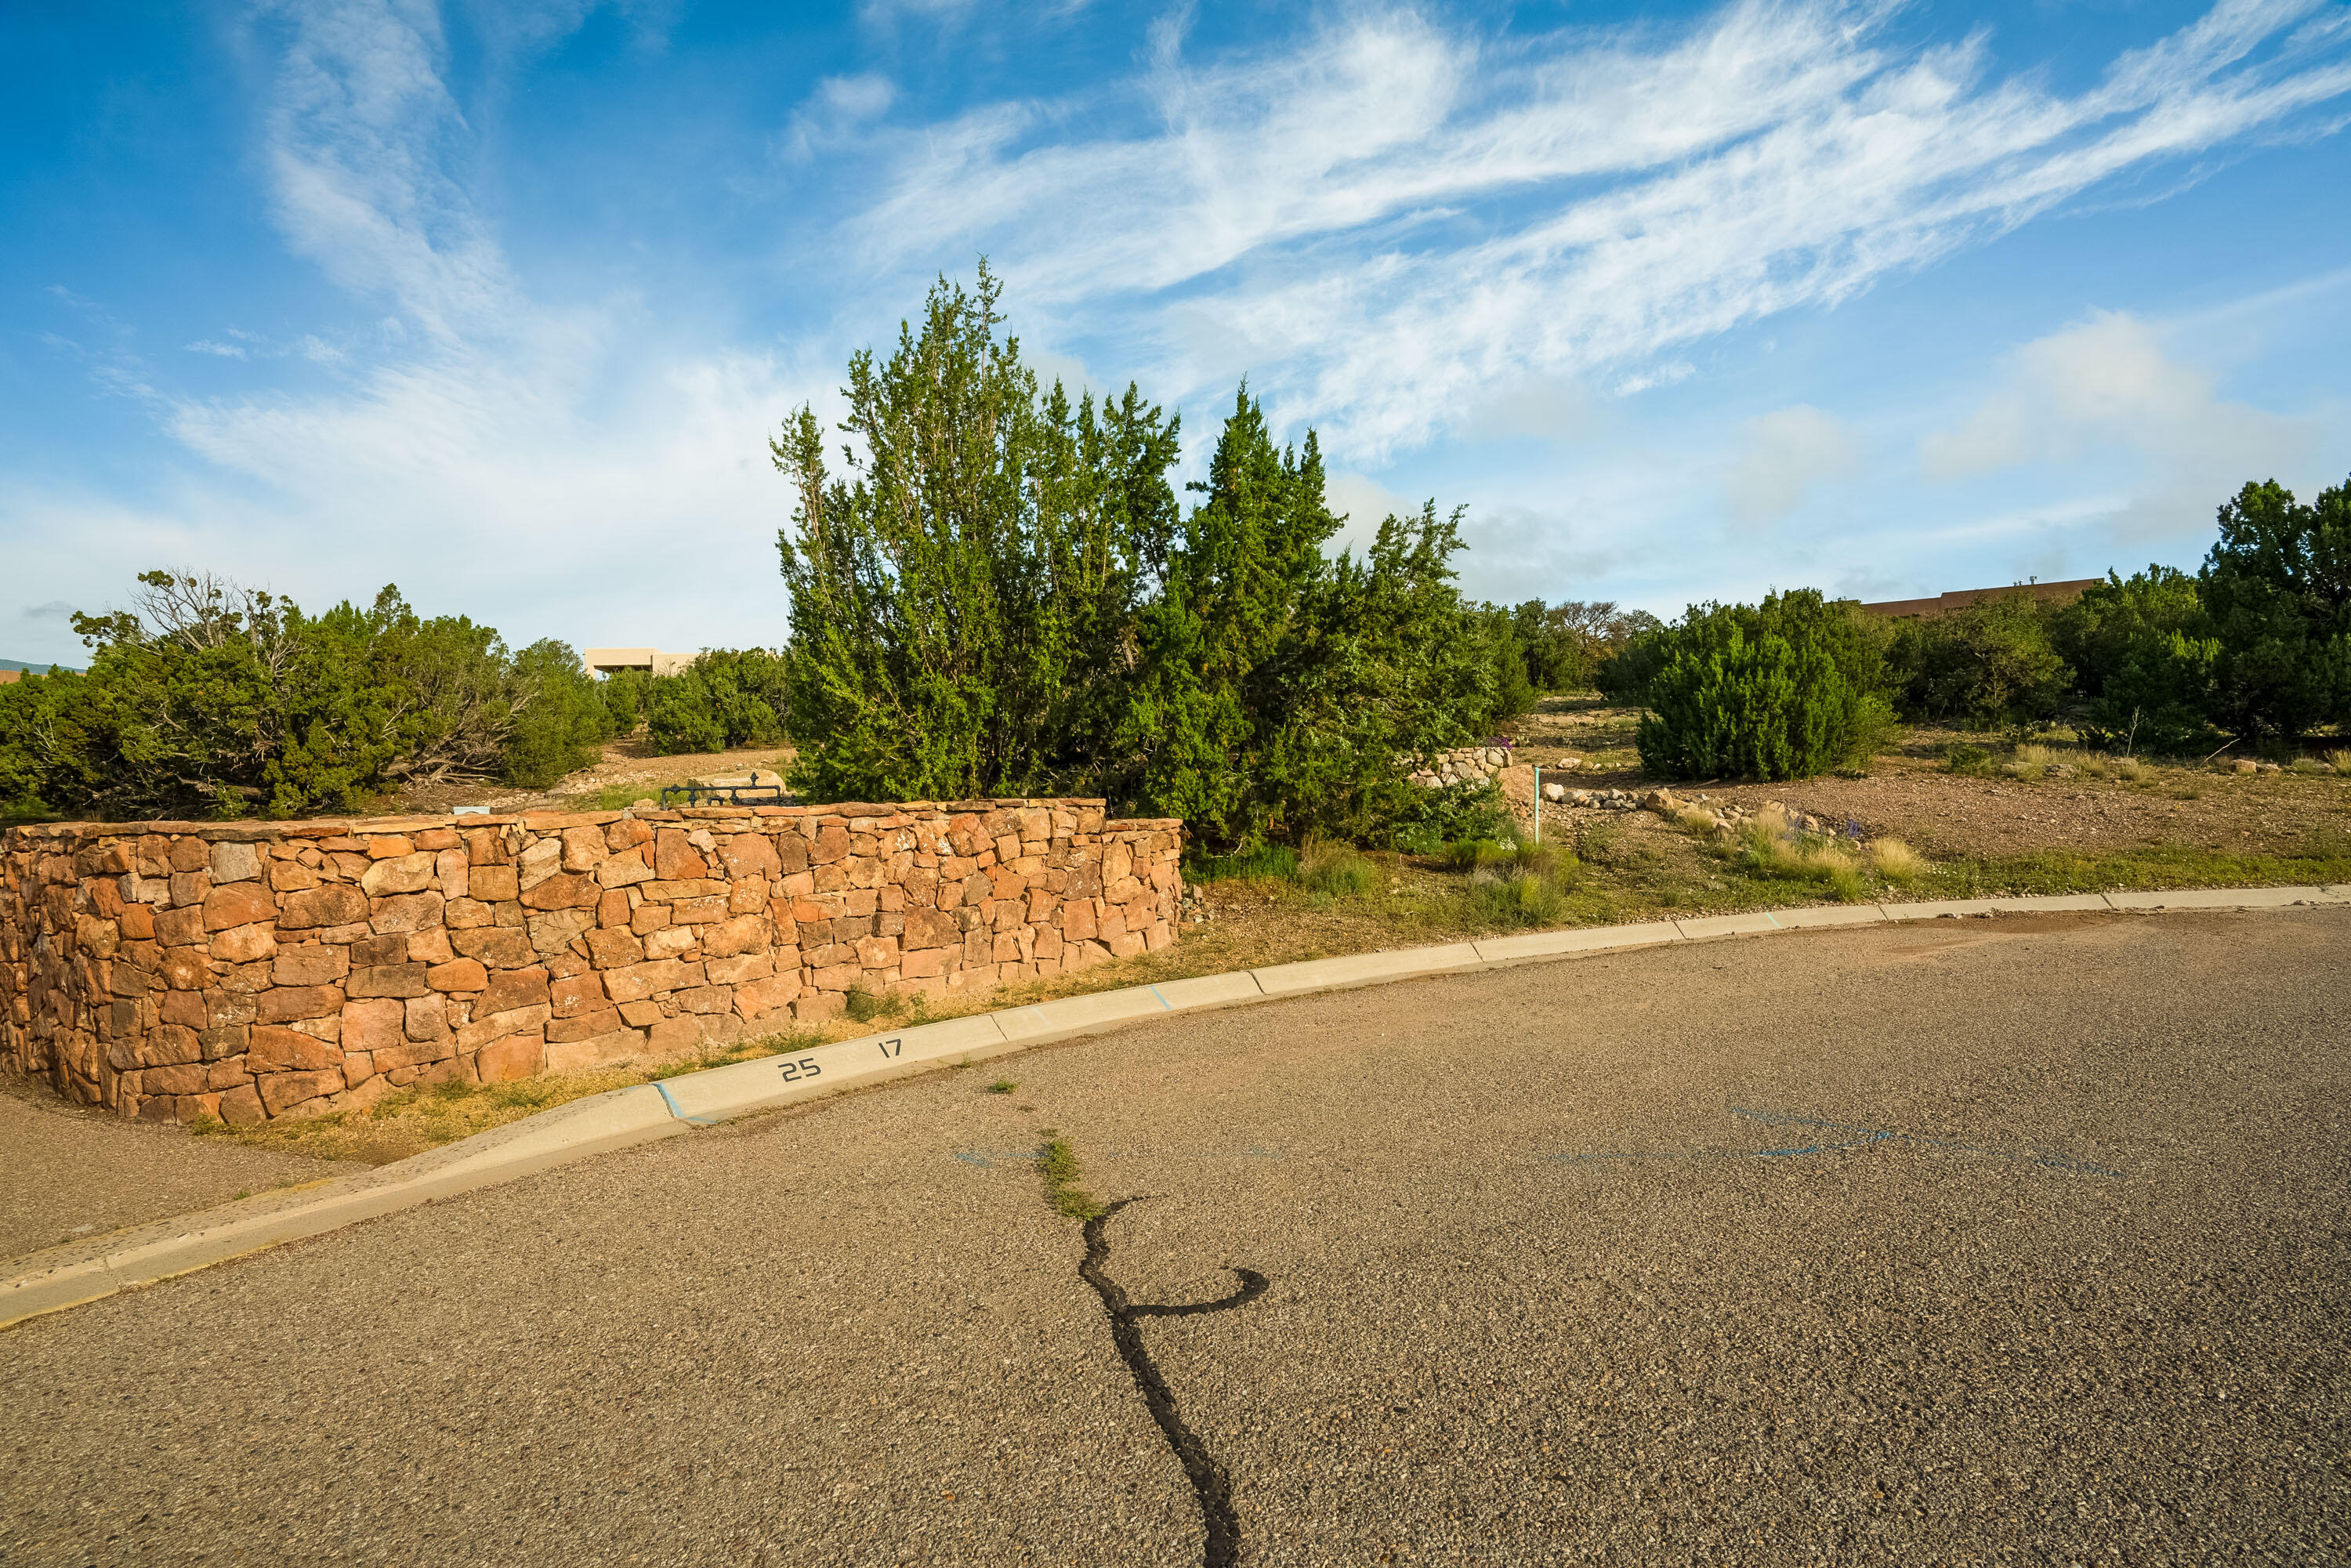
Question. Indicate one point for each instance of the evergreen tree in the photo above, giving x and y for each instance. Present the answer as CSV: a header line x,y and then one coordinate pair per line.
x,y
2277,586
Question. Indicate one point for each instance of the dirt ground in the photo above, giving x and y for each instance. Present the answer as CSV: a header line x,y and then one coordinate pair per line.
x,y
1908,792
630,770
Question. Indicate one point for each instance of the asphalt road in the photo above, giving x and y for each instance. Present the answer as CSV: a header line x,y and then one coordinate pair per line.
x,y
2015,1241
70,1171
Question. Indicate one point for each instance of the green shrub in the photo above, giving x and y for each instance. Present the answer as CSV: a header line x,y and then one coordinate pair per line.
x,y
1430,819
1623,675
559,717
1038,616
1961,758
725,699
2144,660
628,696
1990,663
214,699
1787,689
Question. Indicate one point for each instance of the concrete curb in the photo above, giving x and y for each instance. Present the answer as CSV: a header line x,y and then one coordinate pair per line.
x,y
83,1272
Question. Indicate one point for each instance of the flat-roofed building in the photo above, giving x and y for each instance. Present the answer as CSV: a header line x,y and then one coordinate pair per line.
x,y
604,661
1960,598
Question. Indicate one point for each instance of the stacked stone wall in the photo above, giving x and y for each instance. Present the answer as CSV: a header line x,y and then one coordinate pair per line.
x,y
172,969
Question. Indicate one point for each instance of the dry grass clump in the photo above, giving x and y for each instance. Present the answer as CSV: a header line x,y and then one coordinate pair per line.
x,y
2099,765
2340,759
1336,868
1770,845
1696,821
1896,861
2031,756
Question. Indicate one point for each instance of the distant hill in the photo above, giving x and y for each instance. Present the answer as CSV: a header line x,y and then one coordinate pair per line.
x,y
20,664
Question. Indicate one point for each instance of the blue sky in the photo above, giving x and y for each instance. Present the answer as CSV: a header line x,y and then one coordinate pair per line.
x,y
501,301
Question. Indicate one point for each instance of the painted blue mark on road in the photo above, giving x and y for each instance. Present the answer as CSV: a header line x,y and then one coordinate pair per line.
x,y
1862,1137
1163,1001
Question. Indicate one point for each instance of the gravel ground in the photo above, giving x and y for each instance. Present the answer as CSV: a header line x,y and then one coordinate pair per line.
x,y
67,1172
2016,1241
1909,793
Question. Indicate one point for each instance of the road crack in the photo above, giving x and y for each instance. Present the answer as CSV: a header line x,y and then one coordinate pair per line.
x,y
1210,1484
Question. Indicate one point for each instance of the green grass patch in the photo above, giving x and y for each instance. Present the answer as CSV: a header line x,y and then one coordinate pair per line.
x,y
1057,1163
1261,862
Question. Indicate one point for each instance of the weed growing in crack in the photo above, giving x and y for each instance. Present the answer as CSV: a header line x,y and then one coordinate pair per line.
x,y
1058,1164
1002,1086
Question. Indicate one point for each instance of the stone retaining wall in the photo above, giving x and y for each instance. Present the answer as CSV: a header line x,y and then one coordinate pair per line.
x,y
169,969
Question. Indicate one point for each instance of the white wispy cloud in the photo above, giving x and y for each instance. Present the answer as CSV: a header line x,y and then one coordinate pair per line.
x,y
1787,452
2109,386
492,452
1393,213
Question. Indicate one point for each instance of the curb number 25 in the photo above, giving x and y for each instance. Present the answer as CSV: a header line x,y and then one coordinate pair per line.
x,y
806,1067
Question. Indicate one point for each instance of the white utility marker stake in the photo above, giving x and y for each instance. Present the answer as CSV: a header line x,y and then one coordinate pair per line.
x,y
1538,802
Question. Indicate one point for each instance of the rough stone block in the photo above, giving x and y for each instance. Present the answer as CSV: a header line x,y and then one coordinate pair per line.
x,y
611,948
388,980
270,1049
238,903
334,903
186,968
399,874
466,913
503,1061
587,1026
424,1018
496,946
739,934
380,1024
513,989
240,1107
583,848
596,1050
498,1026
285,1004
282,1091
748,856
757,998
458,975
675,858
236,862
404,913
564,890
742,970
493,883
624,870
539,861
578,996
169,1045
371,951
245,944
669,942
388,846
554,931
638,981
